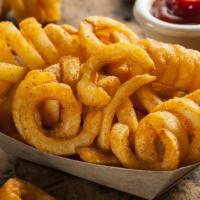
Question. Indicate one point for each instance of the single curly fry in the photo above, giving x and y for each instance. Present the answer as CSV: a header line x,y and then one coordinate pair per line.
x,y
65,40
32,30
92,95
109,111
69,118
37,87
16,189
93,155
176,66
89,41
120,146
161,141
188,113
20,45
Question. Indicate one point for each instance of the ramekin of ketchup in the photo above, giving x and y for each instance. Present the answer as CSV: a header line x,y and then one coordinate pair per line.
x,y
177,11
172,21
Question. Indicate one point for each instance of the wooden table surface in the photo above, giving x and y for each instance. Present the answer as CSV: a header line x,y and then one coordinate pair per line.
x,y
64,186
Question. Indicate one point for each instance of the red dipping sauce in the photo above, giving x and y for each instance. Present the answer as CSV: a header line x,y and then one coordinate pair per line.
x,y
177,11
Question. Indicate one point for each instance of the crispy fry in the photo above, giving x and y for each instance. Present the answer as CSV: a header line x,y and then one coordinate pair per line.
x,y
33,31
187,111
42,86
92,95
165,130
120,146
17,42
39,92
176,66
65,40
109,111
16,189
126,115
90,25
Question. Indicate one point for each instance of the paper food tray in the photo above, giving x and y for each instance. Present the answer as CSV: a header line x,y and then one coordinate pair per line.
x,y
146,184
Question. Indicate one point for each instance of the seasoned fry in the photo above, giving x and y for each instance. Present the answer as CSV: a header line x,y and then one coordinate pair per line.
x,y
126,115
165,130
19,44
88,92
99,92
90,25
120,146
42,86
109,111
33,31
16,189
65,39
176,66
187,111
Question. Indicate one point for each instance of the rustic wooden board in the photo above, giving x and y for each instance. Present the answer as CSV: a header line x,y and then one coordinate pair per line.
x,y
65,186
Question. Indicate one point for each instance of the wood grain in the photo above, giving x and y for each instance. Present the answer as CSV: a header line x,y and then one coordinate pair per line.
x,y
64,186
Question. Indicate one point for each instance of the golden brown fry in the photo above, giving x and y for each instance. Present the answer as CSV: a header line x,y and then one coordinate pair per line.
x,y
126,115
90,25
120,70
65,40
37,87
16,189
109,111
33,31
148,98
187,111
120,146
70,69
110,84
36,92
11,73
93,155
176,66
161,141
92,95
19,44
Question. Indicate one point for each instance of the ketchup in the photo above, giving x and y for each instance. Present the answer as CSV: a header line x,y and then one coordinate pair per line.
x,y
177,11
